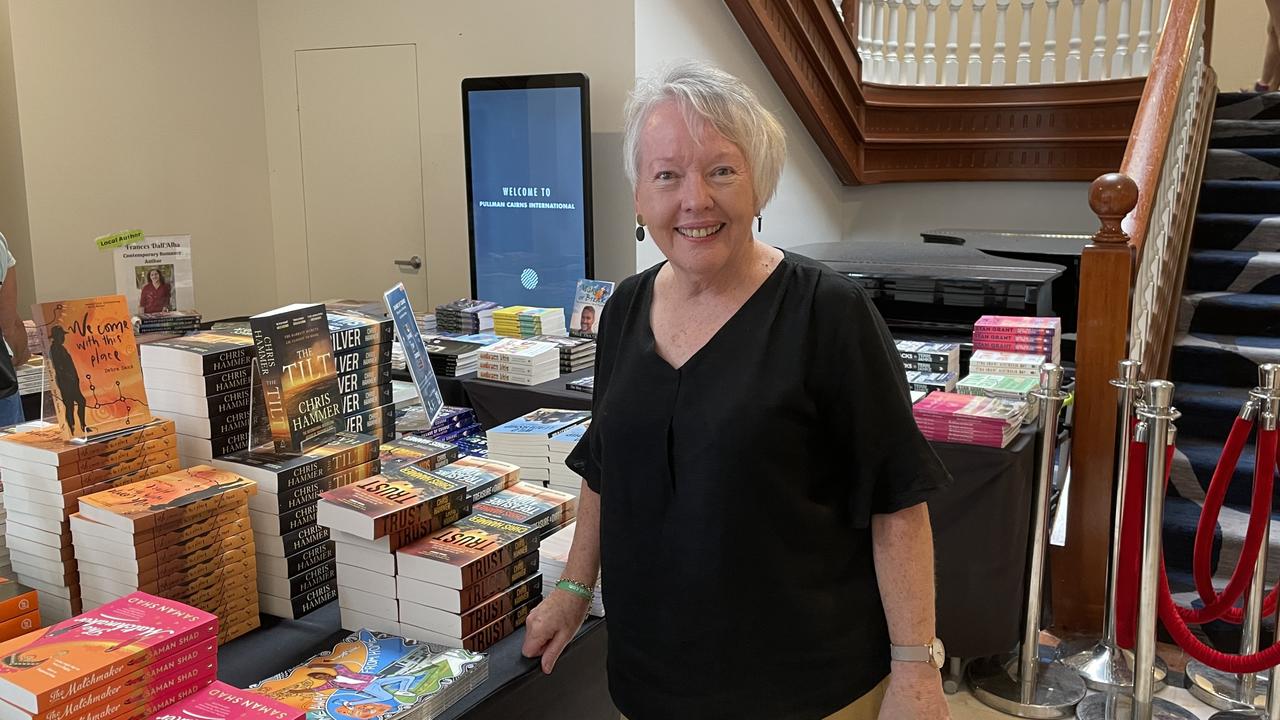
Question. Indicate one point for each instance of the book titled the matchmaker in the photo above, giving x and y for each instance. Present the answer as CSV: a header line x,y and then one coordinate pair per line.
x,y
299,378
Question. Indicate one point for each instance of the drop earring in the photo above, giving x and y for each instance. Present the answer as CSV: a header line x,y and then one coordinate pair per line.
x,y
639,228
759,223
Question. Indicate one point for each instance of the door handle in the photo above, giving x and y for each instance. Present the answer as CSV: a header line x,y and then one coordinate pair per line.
x,y
414,262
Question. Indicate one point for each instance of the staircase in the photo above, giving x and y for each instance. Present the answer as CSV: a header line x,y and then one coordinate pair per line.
x,y
1228,323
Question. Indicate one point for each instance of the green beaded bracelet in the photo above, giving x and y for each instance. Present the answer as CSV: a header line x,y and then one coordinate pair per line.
x,y
578,589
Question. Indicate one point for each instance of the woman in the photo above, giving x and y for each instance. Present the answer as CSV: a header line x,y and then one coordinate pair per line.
x,y
155,294
753,477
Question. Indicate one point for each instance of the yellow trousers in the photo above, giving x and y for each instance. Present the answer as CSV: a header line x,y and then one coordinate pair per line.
x,y
866,707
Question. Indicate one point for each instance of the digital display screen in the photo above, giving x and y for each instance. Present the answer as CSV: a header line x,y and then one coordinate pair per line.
x,y
528,192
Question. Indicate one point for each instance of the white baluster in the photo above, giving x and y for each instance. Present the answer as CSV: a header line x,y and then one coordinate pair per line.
x,y
864,24
891,59
951,64
929,65
1023,76
1049,61
1073,65
839,8
997,58
1120,57
910,70
1142,53
973,76
877,42
1098,60
1157,24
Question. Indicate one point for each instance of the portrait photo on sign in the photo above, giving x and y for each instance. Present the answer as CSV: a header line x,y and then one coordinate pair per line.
x,y
154,274
155,288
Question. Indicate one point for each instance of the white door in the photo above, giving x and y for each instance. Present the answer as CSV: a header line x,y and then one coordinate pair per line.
x,y
362,171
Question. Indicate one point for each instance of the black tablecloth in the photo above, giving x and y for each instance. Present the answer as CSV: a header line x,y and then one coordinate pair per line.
x,y
496,402
516,687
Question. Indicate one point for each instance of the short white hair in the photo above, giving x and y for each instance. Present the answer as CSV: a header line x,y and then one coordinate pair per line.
x,y
706,93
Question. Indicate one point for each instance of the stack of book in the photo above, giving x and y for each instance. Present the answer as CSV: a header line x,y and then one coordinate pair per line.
x,y
171,322
576,353
521,362
35,340
526,441
929,357
519,321
533,505
220,701
967,419
470,584
369,521
451,358
1018,334
424,452
44,477
586,385
126,660
202,383
415,682
473,445
554,553
6,568
426,323
451,423
19,609
296,572
31,376
362,357
1009,387
558,448
994,362
481,476
184,536
930,381
466,316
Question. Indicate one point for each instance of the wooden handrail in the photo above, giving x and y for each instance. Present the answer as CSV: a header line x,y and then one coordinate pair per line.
x,y
1151,183
1144,156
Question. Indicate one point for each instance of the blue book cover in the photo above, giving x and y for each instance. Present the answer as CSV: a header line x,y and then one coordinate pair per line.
x,y
415,351
588,304
543,422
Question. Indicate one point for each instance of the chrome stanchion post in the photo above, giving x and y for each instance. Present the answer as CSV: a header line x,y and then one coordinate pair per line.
x,y
1157,415
1257,693
1104,665
1025,687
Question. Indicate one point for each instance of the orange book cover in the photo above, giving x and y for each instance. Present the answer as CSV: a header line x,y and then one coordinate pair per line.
x,y
167,499
200,574
161,463
15,599
91,359
20,625
48,446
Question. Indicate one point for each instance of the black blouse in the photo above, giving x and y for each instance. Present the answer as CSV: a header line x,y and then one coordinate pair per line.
x,y
736,495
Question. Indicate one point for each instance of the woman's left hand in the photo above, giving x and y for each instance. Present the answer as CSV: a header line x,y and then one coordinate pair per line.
x,y
915,693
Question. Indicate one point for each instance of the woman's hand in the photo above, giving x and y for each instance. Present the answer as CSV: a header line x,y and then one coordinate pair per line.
x,y
551,626
915,693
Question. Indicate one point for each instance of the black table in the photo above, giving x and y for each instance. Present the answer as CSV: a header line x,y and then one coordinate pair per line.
x,y
497,402
516,687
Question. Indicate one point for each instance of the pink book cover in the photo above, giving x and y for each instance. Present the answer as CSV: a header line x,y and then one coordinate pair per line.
x,y
203,657
220,701
971,408
1019,321
49,666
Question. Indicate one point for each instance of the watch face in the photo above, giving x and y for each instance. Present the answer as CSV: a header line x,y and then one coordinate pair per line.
x,y
937,653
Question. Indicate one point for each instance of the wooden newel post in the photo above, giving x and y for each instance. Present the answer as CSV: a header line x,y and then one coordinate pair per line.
x,y
1106,278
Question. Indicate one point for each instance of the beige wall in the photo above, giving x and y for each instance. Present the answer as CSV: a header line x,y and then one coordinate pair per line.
x,y
454,40
145,114
13,190
1239,38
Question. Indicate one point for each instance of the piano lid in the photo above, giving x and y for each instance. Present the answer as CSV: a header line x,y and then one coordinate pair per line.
x,y
1014,241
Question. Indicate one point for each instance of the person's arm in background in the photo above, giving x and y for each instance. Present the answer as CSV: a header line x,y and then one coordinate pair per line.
x,y
15,333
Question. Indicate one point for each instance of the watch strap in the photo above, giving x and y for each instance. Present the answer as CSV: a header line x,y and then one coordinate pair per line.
x,y
911,653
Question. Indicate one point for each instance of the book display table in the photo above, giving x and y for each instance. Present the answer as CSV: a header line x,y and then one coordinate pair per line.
x,y
516,686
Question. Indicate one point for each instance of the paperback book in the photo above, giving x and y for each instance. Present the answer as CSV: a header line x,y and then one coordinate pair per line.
x,y
466,551
384,504
168,500
219,701
295,361
588,306
91,361
416,356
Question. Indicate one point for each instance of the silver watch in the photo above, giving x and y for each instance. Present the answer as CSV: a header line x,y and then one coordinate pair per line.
x,y
933,653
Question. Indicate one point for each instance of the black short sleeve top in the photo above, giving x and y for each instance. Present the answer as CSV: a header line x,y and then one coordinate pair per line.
x,y
736,496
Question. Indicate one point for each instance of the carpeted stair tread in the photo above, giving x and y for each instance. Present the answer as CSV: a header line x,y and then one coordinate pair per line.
x,y
1239,271
1247,106
1221,359
1181,517
1245,134
1245,232
1207,409
1201,461
1232,313
1240,196
1242,164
